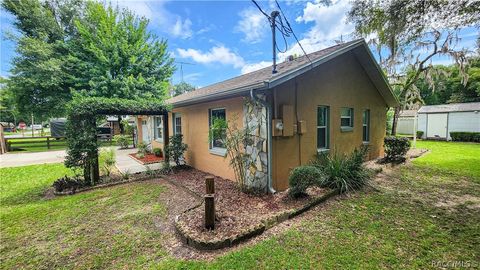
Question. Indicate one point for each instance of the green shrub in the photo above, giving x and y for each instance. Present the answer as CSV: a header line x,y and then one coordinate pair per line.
x,y
419,134
122,140
465,136
157,152
142,148
107,160
344,172
302,178
396,148
127,128
175,149
67,183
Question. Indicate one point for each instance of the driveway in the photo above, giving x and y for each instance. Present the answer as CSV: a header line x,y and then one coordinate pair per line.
x,y
24,159
124,163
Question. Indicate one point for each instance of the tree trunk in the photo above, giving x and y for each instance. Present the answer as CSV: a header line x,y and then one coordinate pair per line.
x,y
396,113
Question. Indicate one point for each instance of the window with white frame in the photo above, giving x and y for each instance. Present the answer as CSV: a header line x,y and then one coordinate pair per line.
x,y
366,125
346,118
217,141
177,124
323,116
158,128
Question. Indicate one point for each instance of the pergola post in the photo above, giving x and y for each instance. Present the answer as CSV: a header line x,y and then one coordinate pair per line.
x,y
166,135
94,168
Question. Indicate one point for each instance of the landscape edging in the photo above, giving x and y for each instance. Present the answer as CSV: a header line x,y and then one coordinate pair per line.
x,y
258,229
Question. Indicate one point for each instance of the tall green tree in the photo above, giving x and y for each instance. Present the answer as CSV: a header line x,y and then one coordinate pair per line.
x,y
114,55
446,84
39,83
74,46
181,88
409,34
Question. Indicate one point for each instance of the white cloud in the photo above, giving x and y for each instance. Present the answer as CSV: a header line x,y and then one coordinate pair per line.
x,y
193,76
253,25
159,16
255,66
330,23
182,29
217,54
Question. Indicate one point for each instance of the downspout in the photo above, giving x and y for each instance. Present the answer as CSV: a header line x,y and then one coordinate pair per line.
x,y
269,139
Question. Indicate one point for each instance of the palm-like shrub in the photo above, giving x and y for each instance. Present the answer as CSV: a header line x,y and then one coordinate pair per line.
x,y
107,160
344,172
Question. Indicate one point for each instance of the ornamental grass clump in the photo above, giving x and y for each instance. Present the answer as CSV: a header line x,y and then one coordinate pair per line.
x,y
107,161
302,178
344,172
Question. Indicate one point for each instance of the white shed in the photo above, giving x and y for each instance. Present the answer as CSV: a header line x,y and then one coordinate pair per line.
x,y
437,121
406,121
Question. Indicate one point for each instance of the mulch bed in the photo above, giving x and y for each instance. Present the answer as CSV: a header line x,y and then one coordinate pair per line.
x,y
236,211
147,159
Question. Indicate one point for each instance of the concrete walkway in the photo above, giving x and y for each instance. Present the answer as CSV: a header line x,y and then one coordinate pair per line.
x,y
24,159
124,163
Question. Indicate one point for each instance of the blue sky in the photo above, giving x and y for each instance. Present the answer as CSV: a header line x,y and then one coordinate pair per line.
x,y
223,39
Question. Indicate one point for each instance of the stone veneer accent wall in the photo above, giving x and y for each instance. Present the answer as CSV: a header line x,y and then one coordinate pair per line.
x,y
255,122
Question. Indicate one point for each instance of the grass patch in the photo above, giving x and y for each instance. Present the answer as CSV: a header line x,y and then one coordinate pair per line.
x,y
401,226
456,158
105,228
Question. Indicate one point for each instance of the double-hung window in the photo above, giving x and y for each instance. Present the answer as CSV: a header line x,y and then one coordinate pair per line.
x,y
158,125
177,124
323,116
366,125
216,142
346,119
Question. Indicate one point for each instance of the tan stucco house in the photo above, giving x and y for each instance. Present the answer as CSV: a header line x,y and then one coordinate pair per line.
x,y
335,100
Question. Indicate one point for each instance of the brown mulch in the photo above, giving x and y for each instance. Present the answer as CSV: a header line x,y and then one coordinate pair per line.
x,y
236,211
147,159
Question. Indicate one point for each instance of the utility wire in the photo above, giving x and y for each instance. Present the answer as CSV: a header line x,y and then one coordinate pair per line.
x,y
293,33
278,25
261,10
283,27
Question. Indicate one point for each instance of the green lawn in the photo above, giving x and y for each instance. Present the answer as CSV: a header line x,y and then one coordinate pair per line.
x,y
422,213
451,157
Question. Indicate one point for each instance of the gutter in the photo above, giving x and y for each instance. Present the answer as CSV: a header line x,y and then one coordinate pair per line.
x,y
269,139
219,95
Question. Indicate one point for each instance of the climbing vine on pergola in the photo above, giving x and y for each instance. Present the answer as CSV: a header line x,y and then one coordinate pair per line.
x,y
81,128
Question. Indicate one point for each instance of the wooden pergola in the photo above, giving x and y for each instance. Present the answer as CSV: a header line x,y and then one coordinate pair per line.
x,y
82,148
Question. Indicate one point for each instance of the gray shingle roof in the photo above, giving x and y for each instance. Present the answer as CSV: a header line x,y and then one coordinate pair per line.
x,y
407,113
263,79
454,107
259,76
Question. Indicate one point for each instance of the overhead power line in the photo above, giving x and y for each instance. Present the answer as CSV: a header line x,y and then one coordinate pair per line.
x,y
282,24
293,33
